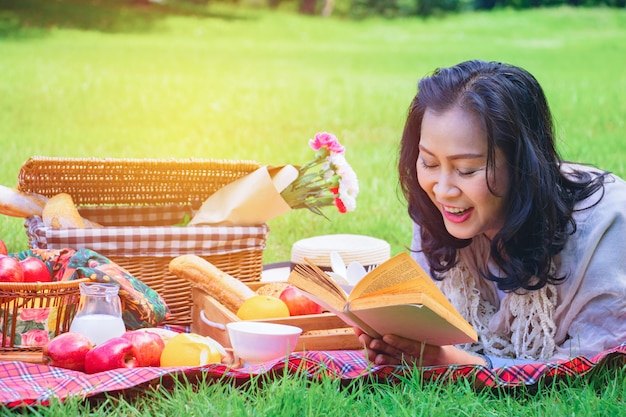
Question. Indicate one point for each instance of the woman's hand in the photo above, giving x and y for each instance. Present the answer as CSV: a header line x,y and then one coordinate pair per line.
x,y
395,350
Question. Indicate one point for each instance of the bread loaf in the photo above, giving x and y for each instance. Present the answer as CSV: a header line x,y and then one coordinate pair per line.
x,y
273,289
229,291
60,213
20,204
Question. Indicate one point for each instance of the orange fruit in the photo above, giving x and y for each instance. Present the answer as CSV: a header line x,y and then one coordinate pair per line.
x,y
189,349
262,307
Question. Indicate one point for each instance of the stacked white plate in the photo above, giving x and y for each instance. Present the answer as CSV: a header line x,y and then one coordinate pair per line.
x,y
366,250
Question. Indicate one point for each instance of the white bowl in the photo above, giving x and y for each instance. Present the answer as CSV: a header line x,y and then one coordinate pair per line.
x,y
257,342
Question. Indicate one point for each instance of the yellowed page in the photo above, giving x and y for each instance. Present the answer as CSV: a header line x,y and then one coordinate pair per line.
x,y
400,275
399,269
312,280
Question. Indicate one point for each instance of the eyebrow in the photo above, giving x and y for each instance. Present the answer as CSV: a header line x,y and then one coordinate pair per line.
x,y
468,155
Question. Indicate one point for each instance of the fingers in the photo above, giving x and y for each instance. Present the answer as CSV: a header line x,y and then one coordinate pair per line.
x,y
407,346
384,348
371,345
395,350
365,341
382,359
358,332
379,352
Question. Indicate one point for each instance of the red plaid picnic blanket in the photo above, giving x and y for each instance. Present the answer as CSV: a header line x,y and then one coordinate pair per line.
x,y
23,383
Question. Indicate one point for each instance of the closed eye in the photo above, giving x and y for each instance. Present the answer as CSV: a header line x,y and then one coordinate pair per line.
x,y
468,173
426,165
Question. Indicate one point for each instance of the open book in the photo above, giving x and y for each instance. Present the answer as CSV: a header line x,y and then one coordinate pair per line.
x,y
398,297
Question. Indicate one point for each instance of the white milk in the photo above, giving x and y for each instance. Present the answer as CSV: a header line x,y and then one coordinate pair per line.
x,y
98,327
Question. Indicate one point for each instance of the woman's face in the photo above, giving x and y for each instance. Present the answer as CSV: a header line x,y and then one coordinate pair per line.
x,y
452,169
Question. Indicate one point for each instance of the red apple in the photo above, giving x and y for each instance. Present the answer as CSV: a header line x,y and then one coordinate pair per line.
x,y
3,248
35,270
10,270
297,303
67,350
148,346
115,353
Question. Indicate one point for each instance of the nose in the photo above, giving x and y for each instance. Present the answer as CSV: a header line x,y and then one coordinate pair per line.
x,y
445,186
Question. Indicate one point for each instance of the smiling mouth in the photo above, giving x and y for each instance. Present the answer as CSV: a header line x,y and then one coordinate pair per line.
x,y
456,211
457,214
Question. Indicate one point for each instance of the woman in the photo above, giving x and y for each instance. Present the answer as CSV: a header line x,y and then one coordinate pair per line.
x,y
530,249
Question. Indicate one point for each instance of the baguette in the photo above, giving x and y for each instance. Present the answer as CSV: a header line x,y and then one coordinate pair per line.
x,y
227,290
19,203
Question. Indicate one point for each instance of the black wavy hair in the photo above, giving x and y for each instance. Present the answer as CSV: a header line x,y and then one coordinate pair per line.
x,y
517,120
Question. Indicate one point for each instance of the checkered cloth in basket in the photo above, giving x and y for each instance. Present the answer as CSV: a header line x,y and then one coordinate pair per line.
x,y
139,240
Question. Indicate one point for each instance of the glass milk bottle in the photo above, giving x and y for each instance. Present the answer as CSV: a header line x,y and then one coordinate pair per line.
x,y
99,315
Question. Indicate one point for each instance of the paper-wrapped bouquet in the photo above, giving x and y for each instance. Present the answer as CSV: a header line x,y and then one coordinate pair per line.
x,y
326,180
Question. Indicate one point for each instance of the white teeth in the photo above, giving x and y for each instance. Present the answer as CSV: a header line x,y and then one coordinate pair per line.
x,y
455,210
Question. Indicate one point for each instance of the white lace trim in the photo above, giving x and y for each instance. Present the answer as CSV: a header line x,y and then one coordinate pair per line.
x,y
528,329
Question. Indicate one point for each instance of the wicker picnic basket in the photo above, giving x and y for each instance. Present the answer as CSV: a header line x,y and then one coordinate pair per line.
x,y
139,202
57,300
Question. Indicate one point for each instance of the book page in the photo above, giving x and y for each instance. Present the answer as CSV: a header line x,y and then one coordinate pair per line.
x,y
414,288
312,280
398,277
400,269
411,306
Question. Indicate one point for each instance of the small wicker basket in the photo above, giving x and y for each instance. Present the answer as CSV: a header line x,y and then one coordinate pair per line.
x,y
17,298
139,201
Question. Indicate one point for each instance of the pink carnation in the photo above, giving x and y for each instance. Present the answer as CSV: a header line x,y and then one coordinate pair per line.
x,y
326,140
326,180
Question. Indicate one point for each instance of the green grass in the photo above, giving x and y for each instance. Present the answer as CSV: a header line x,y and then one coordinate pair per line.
x,y
257,85
295,396
245,83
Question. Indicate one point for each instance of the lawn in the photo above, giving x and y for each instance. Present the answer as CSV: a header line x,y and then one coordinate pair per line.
x,y
237,82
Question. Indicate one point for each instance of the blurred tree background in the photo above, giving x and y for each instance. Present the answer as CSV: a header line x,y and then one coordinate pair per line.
x,y
141,14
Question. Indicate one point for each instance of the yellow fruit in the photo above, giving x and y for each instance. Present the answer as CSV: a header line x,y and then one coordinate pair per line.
x,y
189,349
262,307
